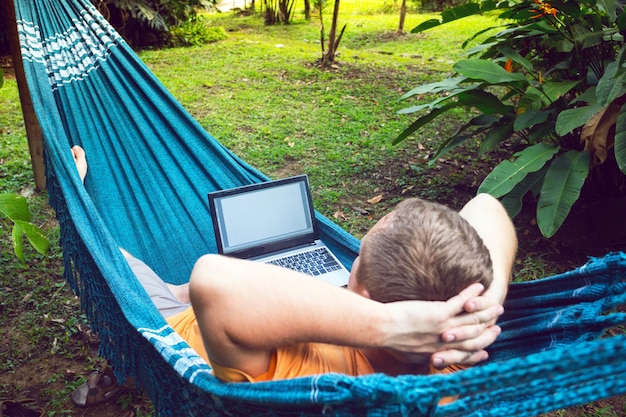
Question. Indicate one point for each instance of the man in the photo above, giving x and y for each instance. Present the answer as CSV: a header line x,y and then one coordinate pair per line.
x,y
246,310
260,322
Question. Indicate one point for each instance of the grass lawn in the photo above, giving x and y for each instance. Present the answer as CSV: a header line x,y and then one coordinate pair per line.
x,y
260,93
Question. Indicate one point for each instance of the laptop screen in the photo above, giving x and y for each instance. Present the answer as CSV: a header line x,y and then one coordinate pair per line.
x,y
262,214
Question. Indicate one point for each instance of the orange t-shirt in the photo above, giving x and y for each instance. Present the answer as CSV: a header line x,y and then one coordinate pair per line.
x,y
289,362
186,325
303,359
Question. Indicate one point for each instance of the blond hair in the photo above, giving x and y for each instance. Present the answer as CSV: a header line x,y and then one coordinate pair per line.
x,y
425,251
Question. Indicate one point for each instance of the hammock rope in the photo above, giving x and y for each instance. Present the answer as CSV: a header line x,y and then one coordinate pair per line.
x,y
151,166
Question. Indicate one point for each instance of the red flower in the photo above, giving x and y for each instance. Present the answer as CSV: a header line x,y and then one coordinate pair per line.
x,y
508,66
544,10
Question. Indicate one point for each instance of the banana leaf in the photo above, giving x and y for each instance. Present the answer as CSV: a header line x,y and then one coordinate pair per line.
x,y
620,140
570,119
421,122
481,69
436,87
499,132
506,175
512,202
481,122
561,188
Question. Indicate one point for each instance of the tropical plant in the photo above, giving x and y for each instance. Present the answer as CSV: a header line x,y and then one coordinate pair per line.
x,y
137,19
196,32
552,84
14,208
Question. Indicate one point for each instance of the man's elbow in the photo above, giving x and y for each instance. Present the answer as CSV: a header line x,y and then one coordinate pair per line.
x,y
204,282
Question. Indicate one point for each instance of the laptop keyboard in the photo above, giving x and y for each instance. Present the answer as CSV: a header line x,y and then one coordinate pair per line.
x,y
314,262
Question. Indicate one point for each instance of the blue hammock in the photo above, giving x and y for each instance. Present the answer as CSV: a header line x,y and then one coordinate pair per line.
x,y
151,166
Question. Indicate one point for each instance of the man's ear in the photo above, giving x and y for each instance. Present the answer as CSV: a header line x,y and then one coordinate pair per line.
x,y
354,284
364,292
360,289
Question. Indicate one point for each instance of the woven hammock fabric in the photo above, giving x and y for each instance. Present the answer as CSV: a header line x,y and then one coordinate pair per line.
x,y
151,167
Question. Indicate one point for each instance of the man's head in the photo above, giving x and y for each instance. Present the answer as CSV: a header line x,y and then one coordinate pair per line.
x,y
421,251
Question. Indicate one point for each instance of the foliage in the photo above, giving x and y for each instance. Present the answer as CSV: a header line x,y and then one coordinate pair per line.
x,y
278,11
552,84
14,208
196,32
284,117
439,5
146,22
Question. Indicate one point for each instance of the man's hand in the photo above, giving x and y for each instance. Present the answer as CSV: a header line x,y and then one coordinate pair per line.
x,y
458,330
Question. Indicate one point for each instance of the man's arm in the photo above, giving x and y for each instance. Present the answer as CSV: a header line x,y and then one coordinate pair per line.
x,y
245,310
487,215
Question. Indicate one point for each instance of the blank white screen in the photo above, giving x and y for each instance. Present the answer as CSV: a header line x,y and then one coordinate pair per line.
x,y
263,216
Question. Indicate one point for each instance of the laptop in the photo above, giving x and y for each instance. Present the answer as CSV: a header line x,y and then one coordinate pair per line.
x,y
274,222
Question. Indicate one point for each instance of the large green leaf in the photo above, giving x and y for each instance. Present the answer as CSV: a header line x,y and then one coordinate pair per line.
x,y
552,91
531,100
620,139
14,207
452,143
481,69
512,202
609,7
611,85
507,174
417,124
530,119
498,133
36,237
561,188
570,119
437,102
429,24
18,243
437,87
484,101
538,132
448,84
585,37
481,123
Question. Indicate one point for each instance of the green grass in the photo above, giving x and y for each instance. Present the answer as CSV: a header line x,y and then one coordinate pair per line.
x,y
260,93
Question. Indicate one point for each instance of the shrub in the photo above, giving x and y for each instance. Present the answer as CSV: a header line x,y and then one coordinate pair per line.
x,y
14,208
196,32
551,83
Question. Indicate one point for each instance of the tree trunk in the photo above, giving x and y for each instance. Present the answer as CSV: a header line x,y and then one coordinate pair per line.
x,y
33,130
307,9
402,17
328,58
271,12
